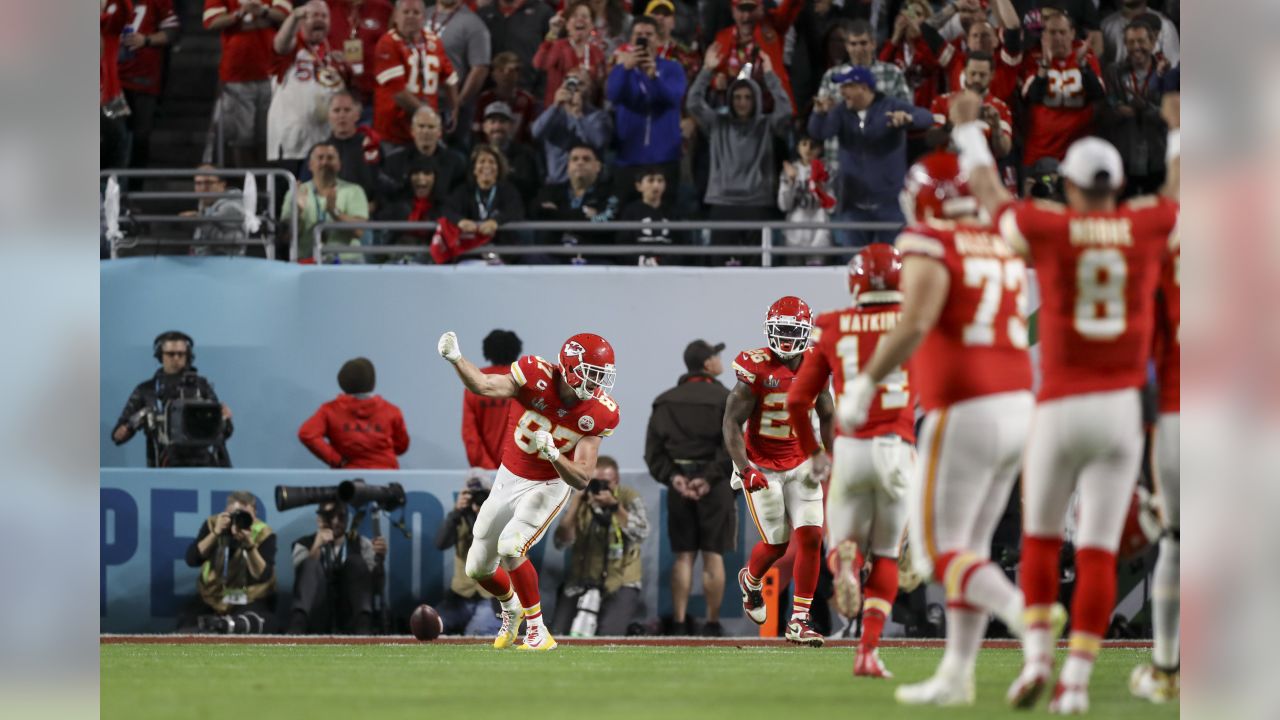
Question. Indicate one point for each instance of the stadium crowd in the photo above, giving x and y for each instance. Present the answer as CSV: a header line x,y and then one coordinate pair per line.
x,y
478,113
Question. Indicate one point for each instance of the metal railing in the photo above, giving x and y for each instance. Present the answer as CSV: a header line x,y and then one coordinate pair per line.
x,y
253,220
766,249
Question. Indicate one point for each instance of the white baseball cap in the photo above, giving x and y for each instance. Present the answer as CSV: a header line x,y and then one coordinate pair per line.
x,y
1092,161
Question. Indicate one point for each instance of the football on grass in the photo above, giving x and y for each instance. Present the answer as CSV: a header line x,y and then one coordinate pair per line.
x,y
425,623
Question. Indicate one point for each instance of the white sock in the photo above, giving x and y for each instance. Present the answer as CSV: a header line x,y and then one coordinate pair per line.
x,y
1037,645
1076,670
965,629
533,616
990,589
512,605
1166,603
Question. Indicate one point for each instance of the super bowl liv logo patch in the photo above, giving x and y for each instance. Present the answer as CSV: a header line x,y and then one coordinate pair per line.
x,y
586,423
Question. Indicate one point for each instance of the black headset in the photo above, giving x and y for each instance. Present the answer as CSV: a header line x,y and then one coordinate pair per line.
x,y
164,337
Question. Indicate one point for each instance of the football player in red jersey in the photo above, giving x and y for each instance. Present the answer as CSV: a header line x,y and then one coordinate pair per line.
x,y
771,467
1098,265
1158,681
963,325
560,414
866,504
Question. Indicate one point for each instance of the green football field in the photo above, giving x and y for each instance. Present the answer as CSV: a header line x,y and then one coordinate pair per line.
x,y
460,681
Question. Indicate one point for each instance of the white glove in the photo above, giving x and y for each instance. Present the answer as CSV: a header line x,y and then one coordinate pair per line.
x,y
546,446
448,347
854,404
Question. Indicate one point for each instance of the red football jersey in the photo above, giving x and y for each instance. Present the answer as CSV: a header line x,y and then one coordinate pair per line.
x,y
538,407
363,22
246,54
111,21
140,69
419,68
1005,71
978,347
1065,115
941,110
1097,274
771,441
1168,350
844,341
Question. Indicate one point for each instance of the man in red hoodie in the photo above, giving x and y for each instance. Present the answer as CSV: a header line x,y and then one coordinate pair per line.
x,y
357,429
484,420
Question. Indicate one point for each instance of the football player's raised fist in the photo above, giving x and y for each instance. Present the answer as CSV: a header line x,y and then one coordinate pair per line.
x,y
448,347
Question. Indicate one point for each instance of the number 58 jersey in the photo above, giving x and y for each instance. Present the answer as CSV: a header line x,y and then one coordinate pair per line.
x,y
538,407
978,346
1097,273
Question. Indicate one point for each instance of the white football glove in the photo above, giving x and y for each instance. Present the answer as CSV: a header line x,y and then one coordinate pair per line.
x,y
855,403
448,347
546,446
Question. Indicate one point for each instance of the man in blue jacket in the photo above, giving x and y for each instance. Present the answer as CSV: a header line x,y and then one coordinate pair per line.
x,y
646,93
872,130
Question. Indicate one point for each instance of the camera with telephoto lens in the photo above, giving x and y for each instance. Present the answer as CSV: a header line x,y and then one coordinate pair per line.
x,y
352,492
1046,187
587,619
478,497
240,520
572,84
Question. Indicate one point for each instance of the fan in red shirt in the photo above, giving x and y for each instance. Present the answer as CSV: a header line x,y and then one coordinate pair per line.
x,y
910,50
963,326
995,113
153,26
247,28
1098,265
1005,50
783,493
112,17
556,57
755,31
1061,81
484,420
355,28
357,429
561,413
411,69
866,503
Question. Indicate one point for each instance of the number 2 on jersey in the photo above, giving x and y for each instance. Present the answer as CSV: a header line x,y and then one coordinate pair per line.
x,y
893,389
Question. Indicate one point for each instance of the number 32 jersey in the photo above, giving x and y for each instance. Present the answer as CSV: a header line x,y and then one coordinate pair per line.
x,y
538,407
1098,274
771,442
978,346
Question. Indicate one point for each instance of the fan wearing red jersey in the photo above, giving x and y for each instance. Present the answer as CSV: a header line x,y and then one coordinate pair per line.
x,y
559,416
1158,681
781,489
866,504
411,69
963,326
1098,265
1060,86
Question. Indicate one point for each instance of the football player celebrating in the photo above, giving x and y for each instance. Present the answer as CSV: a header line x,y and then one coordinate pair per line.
x,y
770,466
963,325
560,414
1098,265
866,504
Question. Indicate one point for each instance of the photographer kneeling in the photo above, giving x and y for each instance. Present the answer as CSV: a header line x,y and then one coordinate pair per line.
x,y
467,609
185,424
335,574
235,552
606,525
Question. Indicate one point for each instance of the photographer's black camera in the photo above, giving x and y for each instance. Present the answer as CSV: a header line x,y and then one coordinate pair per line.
x,y
240,520
478,497
598,486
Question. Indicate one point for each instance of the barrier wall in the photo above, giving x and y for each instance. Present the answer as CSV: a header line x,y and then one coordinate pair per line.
x,y
150,517
271,336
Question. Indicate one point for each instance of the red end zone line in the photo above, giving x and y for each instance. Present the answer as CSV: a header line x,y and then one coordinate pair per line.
x,y
742,642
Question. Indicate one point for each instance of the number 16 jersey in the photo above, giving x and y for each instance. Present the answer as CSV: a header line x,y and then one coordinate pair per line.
x,y
1097,273
978,346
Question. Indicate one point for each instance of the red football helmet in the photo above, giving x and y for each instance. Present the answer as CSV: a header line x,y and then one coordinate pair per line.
x,y
873,274
586,362
787,325
935,187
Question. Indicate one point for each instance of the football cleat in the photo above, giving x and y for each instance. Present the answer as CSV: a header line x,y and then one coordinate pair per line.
x,y
938,690
507,633
1069,700
1155,685
752,600
800,632
1029,685
537,638
848,584
867,663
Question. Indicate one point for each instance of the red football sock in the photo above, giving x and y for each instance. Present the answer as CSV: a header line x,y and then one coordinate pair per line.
x,y
1038,570
1095,592
763,556
880,592
498,584
525,580
808,559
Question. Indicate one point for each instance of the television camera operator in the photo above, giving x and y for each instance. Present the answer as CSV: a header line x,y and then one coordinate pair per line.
x,y
335,576
184,422
236,586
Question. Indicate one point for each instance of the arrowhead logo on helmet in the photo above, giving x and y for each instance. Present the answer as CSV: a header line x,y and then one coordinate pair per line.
x,y
874,273
586,363
936,188
787,326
